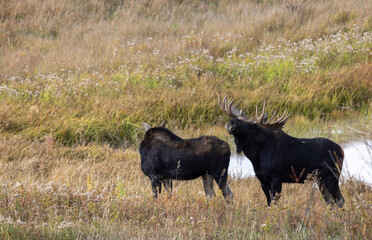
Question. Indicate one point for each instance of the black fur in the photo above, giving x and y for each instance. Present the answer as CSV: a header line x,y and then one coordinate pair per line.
x,y
165,156
279,158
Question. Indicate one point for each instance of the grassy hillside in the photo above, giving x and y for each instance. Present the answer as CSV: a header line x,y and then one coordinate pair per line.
x,y
88,71
78,77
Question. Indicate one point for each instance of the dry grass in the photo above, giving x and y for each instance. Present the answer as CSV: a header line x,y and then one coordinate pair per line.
x,y
92,71
50,35
77,78
52,191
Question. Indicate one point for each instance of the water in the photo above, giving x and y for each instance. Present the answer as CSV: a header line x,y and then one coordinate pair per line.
x,y
240,166
357,163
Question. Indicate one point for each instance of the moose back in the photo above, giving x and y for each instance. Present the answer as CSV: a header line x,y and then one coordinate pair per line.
x,y
279,158
165,156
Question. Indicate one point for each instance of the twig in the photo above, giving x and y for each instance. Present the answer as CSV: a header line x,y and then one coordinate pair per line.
x,y
307,212
358,131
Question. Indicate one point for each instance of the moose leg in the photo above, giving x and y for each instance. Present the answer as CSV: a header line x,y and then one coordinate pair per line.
x,y
324,191
227,194
168,185
340,199
266,188
208,185
156,187
221,180
276,189
331,190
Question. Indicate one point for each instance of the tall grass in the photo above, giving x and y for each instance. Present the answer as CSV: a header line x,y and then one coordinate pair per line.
x,y
50,35
319,76
49,190
77,79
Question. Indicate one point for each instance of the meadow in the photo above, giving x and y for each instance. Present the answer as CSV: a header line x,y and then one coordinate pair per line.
x,y
78,78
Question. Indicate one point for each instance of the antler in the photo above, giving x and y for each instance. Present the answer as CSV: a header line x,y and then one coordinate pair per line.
x,y
277,125
233,112
230,110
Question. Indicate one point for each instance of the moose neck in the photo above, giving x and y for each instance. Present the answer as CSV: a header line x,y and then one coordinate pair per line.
x,y
253,145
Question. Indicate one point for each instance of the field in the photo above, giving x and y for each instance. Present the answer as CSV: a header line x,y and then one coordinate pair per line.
x,y
78,78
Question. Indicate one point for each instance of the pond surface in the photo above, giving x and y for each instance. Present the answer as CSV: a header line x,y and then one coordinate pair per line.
x,y
357,163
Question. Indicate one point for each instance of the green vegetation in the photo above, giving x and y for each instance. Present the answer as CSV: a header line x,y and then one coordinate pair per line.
x,y
138,78
77,79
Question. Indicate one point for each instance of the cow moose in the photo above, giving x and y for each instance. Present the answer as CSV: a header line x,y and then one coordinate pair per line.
x,y
279,158
165,156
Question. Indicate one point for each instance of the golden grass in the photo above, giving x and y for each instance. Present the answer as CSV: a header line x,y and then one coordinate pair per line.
x,y
77,78
46,36
92,71
93,191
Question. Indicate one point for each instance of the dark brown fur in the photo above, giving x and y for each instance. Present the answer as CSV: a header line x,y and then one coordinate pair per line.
x,y
165,156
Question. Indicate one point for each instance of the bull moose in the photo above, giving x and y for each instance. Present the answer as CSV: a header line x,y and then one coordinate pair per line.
x,y
165,156
279,158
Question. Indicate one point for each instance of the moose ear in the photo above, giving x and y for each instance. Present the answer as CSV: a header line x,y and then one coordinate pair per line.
x,y
163,124
146,127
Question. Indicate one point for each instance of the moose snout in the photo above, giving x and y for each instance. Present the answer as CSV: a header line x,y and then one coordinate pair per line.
x,y
230,128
